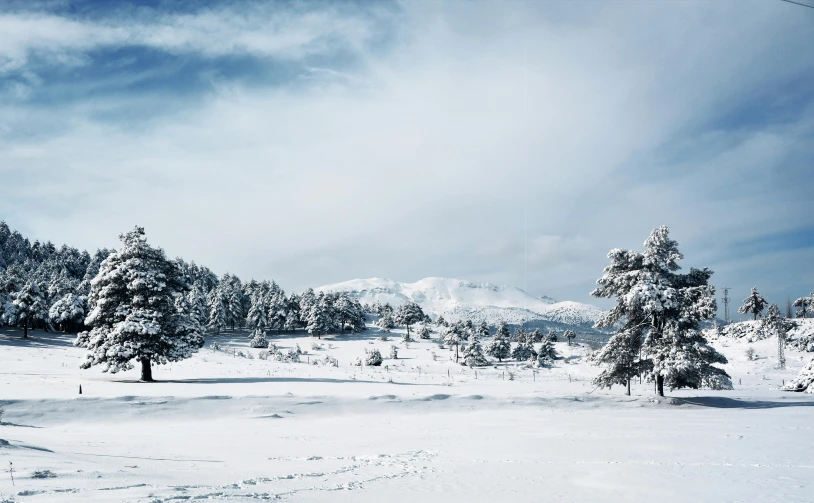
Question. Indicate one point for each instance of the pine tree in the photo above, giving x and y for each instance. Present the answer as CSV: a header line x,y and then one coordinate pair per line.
x,y
386,322
257,317
659,311
523,351
373,358
453,335
569,335
547,353
259,339
483,329
133,311
408,314
440,322
754,304
319,321
537,336
774,324
217,310
805,304
29,305
68,311
551,335
804,380
499,347
424,332
473,353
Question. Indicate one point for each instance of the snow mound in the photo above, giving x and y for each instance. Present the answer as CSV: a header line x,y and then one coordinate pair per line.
x,y
799,336
455,299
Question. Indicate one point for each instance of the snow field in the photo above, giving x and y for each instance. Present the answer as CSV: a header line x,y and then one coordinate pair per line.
x,y
222,427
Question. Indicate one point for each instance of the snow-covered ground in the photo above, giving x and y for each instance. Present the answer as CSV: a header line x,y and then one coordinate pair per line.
x,y
221,426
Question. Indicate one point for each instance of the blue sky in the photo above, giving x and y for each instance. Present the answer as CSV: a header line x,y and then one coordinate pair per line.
x,y
510,142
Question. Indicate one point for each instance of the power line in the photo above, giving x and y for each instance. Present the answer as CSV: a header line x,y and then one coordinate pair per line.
x,y
798,3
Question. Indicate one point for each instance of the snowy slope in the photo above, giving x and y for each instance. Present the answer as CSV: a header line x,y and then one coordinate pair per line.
x,y
456,299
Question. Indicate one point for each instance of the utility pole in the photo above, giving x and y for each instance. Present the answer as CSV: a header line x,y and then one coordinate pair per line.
x,y
726,304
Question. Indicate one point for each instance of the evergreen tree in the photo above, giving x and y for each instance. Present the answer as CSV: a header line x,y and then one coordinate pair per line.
x,y
373,358
569,335
775,324
200,308
547,353
754,304
805,304
257,317
259,339
386,322
408,314
68,312
473,353
319,321
217,310
659,311
424,332
537,336
483,329
29,306
440,322
453,335
804,380
551,335
133,311
523,351
499,347
520,334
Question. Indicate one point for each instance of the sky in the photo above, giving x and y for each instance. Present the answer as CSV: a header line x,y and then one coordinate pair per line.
x,y
507,142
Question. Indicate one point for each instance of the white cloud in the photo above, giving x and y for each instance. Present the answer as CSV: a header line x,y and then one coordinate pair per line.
x,y
426,161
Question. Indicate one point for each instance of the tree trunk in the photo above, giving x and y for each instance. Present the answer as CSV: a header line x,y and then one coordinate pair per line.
x,y
25,329
456,352
628,386
660,385
146,370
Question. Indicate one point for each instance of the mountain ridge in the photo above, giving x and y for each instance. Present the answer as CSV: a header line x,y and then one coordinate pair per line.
x,y
456,299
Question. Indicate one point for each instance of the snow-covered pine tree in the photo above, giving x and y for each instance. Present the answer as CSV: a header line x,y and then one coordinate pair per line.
x,y
804,380
68,311
408,314
319,321
524,350
259,339
133,311
453,335
440,322
774,324
500,347
217,310
386,322
551,335
754,304
520,334
197,299
659,311
257,317
29,305
483,329
373,358
547,353
235,303
536,335
805,304
473,353
424,332
569,335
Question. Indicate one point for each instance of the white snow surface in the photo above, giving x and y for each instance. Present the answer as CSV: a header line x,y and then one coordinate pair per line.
x,y
456,299
221,426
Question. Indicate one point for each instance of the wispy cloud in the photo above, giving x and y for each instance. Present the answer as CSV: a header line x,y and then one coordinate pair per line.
x,y
413,139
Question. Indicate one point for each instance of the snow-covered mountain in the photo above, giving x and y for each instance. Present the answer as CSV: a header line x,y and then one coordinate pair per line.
x,y
455,299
